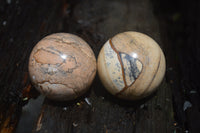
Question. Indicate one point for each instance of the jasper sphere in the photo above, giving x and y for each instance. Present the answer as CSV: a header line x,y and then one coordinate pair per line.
x,y
131,65
62,66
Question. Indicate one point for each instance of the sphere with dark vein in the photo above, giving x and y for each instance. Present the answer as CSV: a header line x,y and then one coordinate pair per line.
x,y
62,66
131,65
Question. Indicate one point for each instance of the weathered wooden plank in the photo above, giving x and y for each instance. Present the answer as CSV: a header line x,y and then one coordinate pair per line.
x,y
97,21
22,24
180,26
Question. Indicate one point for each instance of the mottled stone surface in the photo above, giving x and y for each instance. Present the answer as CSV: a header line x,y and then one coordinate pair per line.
x,y
62,66
131,65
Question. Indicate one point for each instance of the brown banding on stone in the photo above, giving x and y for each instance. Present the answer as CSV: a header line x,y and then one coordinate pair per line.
x,y
155,72
112,46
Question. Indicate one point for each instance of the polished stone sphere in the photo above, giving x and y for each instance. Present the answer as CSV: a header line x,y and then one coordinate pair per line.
x,y
131,65
62,66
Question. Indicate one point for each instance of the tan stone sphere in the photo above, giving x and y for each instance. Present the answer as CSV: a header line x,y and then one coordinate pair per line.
x,y
131,65
62,66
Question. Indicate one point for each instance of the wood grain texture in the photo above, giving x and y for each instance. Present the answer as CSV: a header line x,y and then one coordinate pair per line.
x,y
183,59
22,24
